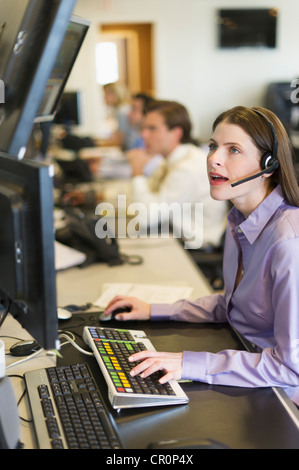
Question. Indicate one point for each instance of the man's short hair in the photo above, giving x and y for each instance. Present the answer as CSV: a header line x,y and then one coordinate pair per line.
x,y
175,115
146,99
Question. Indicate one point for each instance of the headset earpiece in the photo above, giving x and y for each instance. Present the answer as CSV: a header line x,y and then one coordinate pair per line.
x,y
269,163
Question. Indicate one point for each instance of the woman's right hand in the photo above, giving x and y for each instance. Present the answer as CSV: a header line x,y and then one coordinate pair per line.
x,y
140,310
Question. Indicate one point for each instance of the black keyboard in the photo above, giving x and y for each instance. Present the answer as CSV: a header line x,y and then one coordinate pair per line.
x,y
68,411
112,347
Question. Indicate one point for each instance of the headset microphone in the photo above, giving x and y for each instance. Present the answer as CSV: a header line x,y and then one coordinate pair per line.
x,y
270,169
269,163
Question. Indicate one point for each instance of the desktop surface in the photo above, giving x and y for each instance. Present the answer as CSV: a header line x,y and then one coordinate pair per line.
x,y
239,418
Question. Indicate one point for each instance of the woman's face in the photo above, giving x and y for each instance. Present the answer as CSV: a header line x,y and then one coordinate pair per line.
x,y
233,156
110,98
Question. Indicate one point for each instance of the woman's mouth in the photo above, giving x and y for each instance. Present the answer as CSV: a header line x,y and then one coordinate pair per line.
x,y
217,179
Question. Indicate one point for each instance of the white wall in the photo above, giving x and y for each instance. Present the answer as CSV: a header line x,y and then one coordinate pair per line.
x,y
188,66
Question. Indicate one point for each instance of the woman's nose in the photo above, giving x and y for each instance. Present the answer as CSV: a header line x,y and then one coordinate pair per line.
x,y
214,158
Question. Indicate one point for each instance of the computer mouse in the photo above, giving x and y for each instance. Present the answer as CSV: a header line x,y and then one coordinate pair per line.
x,y
63,313
111,317
24,348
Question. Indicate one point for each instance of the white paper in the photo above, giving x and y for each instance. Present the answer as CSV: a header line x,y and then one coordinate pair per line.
x,y
67,257
150,293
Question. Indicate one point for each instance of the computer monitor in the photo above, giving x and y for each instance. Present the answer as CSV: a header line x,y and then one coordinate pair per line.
x,y
27,274
55,103
31,35
71,45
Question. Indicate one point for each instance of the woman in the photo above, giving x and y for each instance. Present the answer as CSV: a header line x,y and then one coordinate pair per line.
x,y
261,269
117,99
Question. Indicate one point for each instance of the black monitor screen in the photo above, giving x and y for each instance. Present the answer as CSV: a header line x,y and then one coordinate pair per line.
x,y
27,275
69,109
247,27
68,53
31,34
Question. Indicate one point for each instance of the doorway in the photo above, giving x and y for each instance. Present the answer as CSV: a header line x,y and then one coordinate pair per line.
x,y
134,54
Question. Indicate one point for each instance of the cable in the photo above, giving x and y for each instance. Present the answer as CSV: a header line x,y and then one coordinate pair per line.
x,y
70,340
21,397
80,309
77,308
25,359
134,260
11,337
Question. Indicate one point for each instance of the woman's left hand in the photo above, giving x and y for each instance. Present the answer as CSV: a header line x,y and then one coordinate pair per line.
x,y
152,361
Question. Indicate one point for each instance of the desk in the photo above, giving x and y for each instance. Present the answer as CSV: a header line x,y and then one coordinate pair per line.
x,y
240,418
164,262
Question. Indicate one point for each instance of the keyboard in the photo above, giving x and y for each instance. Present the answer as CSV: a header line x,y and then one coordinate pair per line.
x,y
111,348
68,411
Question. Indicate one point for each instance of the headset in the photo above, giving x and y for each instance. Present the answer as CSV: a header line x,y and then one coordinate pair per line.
x,y
269,161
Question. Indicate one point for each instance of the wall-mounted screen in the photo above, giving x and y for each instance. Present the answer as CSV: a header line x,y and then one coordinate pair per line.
x,y
247,27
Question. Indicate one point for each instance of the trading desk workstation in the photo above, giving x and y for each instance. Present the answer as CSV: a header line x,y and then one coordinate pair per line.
x,y
235,418
39,45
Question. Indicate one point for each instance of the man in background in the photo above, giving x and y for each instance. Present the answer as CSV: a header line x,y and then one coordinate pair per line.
x,y
181,177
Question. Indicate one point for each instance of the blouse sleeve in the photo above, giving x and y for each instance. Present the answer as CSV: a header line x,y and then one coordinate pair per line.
x,y
210,308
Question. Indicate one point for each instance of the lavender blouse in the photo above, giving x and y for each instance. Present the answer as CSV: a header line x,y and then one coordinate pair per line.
x,y
264,307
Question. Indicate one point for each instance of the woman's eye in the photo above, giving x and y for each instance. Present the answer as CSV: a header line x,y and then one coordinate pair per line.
x,y
212,147
234,150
